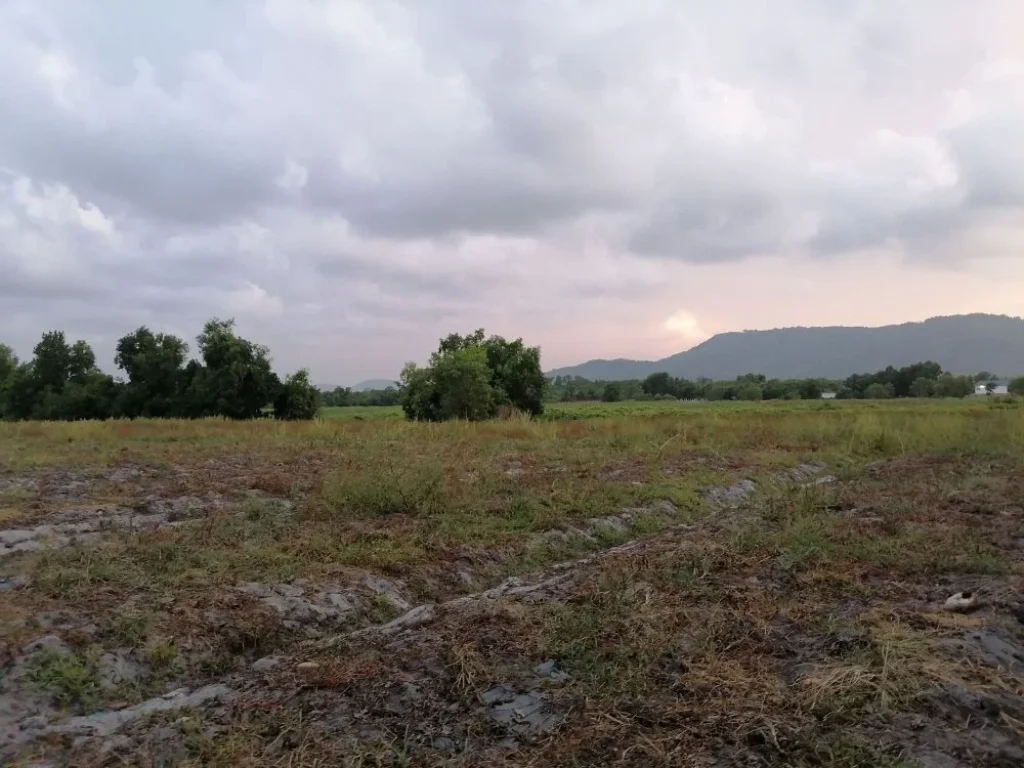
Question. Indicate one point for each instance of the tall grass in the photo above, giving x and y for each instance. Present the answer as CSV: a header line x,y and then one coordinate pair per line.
x,y
857,429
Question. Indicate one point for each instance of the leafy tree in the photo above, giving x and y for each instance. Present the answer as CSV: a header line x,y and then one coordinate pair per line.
x,y
658,384
1016,386
719,391
879,391
809,389
456,385
990,387
421,400
193,400
858,382
8,362
611,393
82,362
338,397
751,378
906,376
89,396
922,387
236,380
948,385
463,381
154,365
8,365
774,389
686,389
297,399
984,376
515,372
386,396
61,382
22,393
470,376
749,390
52,361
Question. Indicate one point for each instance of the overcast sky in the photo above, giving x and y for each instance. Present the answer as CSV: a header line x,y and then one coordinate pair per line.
x,y
351,180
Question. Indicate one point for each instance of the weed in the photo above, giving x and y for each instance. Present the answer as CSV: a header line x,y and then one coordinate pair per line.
x,y
841,753
125,629
161,655
755,634
69,678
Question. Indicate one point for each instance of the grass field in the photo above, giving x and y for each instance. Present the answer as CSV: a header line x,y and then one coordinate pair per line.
x,y
614,584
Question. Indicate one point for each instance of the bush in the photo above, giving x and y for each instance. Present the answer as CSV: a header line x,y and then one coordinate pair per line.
x,y
922,387
749,392
1016,386
879,391
949,385
611,393
472,378
298,399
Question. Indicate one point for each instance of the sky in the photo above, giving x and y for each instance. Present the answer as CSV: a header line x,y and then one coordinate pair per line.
x,y
353,179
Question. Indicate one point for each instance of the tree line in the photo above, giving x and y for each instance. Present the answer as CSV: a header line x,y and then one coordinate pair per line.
x,y
925,379
663,386
344,397
470,377
921,380
232,377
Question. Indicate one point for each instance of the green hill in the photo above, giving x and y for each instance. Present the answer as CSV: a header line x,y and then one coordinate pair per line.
x,y
959,343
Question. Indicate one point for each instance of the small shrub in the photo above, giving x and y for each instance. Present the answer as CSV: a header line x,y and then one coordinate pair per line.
x,y
69,678
161,655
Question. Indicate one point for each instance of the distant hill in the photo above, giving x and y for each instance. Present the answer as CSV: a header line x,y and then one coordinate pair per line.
x,y
374,384
959,343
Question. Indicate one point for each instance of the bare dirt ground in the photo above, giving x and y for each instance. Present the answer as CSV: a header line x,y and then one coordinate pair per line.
x,y
719,610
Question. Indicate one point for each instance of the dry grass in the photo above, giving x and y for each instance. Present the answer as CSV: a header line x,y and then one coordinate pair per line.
x,y
795,630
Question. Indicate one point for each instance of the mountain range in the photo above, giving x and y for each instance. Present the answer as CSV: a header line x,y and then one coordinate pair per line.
x,y
959,343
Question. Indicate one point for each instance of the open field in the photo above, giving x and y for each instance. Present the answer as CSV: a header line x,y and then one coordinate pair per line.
x,y
595,410
618,584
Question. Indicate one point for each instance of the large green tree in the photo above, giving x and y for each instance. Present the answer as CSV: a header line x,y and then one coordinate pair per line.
x,y
471,377
61,382
52,361
235,380
154,364
922,387
659,383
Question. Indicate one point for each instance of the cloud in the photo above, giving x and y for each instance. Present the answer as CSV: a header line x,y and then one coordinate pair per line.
x,y
354,179
684,325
